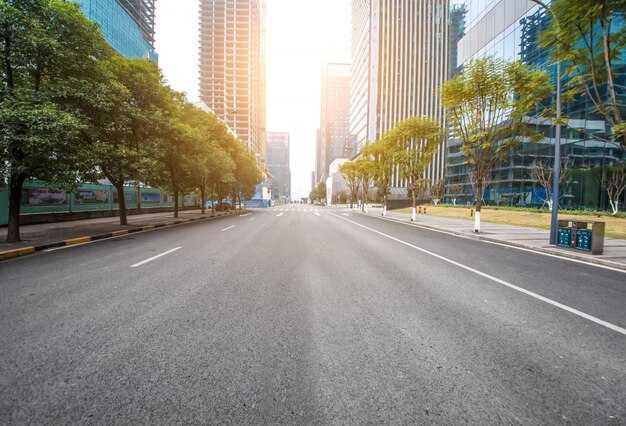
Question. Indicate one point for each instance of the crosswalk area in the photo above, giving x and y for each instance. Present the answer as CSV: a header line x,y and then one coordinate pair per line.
x,y
304,210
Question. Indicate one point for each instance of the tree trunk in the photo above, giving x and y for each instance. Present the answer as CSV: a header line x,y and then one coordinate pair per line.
x,y
15,198
203,198
138,204
176,204
119,187
385,205
414,210
234,202
479,203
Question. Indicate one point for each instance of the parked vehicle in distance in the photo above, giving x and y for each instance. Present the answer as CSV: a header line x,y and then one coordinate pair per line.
x,y
222,207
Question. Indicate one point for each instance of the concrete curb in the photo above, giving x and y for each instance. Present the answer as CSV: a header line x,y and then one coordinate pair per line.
x,y
553,251
11,254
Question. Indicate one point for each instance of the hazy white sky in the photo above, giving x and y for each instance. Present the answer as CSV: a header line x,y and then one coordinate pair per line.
x,y
301,36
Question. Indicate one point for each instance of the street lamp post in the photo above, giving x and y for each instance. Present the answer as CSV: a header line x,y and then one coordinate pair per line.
x,y
557,144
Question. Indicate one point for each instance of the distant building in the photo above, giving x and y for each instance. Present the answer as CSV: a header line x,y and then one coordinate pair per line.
x,y
334,132
336,188
278,165
127,25
399,59
319,166
232,66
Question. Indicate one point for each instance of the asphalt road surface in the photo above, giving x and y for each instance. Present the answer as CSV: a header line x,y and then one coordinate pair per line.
x,y
309,315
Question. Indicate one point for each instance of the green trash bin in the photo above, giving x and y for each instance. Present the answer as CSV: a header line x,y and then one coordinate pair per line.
x,y
584,239
564,237
584,235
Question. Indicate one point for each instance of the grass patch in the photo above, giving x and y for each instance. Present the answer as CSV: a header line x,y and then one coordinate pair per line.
x,y
615,226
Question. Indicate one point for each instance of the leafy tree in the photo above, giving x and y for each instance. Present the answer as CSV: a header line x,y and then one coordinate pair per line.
x,y
211,164
220,175
365,171
127,131
178,147
349,173
381,152
50,63
488,105
414,142
589,36
247,173
319,192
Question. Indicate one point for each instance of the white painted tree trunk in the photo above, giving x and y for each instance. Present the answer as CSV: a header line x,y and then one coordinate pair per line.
x,y
414,214
454,201
385,210
477,222
614,206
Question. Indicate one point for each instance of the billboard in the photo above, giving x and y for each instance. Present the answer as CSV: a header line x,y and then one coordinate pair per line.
x,y
43,197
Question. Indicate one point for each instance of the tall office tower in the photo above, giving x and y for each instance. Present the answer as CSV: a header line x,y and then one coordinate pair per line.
x,y
399,59
334,136
232,66
278,164
128,25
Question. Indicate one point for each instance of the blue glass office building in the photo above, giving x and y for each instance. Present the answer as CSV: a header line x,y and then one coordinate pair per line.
x,y
128,25
509,29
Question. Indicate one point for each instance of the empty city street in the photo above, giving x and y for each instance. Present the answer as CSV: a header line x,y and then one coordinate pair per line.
x,y
303,314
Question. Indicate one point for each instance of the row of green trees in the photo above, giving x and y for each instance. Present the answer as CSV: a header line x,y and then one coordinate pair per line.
x,y
488,107
74,110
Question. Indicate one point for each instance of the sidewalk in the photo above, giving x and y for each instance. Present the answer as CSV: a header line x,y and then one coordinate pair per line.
x,y
614,254
48,235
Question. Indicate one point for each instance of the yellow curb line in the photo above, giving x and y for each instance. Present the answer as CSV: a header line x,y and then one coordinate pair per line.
x,y
8,254
169,223
77,241
118,233
148,227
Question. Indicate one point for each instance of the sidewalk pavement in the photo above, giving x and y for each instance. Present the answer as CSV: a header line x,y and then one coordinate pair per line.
x,y
49,235
614,254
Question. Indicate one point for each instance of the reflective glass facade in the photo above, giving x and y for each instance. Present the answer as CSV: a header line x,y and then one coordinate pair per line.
x,y
131,34
509,29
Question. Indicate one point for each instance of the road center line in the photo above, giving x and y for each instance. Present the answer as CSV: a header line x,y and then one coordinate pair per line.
x,y
230,227
155,257
497,280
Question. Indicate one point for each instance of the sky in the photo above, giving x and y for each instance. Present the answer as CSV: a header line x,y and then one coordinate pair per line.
x,y
301,36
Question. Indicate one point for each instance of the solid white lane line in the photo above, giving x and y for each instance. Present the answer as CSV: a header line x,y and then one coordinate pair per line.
x,y
497,280
244,215
252,218
230,227
279,214
316,214
155,257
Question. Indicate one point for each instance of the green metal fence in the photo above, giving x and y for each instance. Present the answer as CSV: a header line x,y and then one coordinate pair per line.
x,y
38,197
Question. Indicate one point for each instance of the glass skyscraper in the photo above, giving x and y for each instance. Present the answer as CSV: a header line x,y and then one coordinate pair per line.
x,y
128,25
510,29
